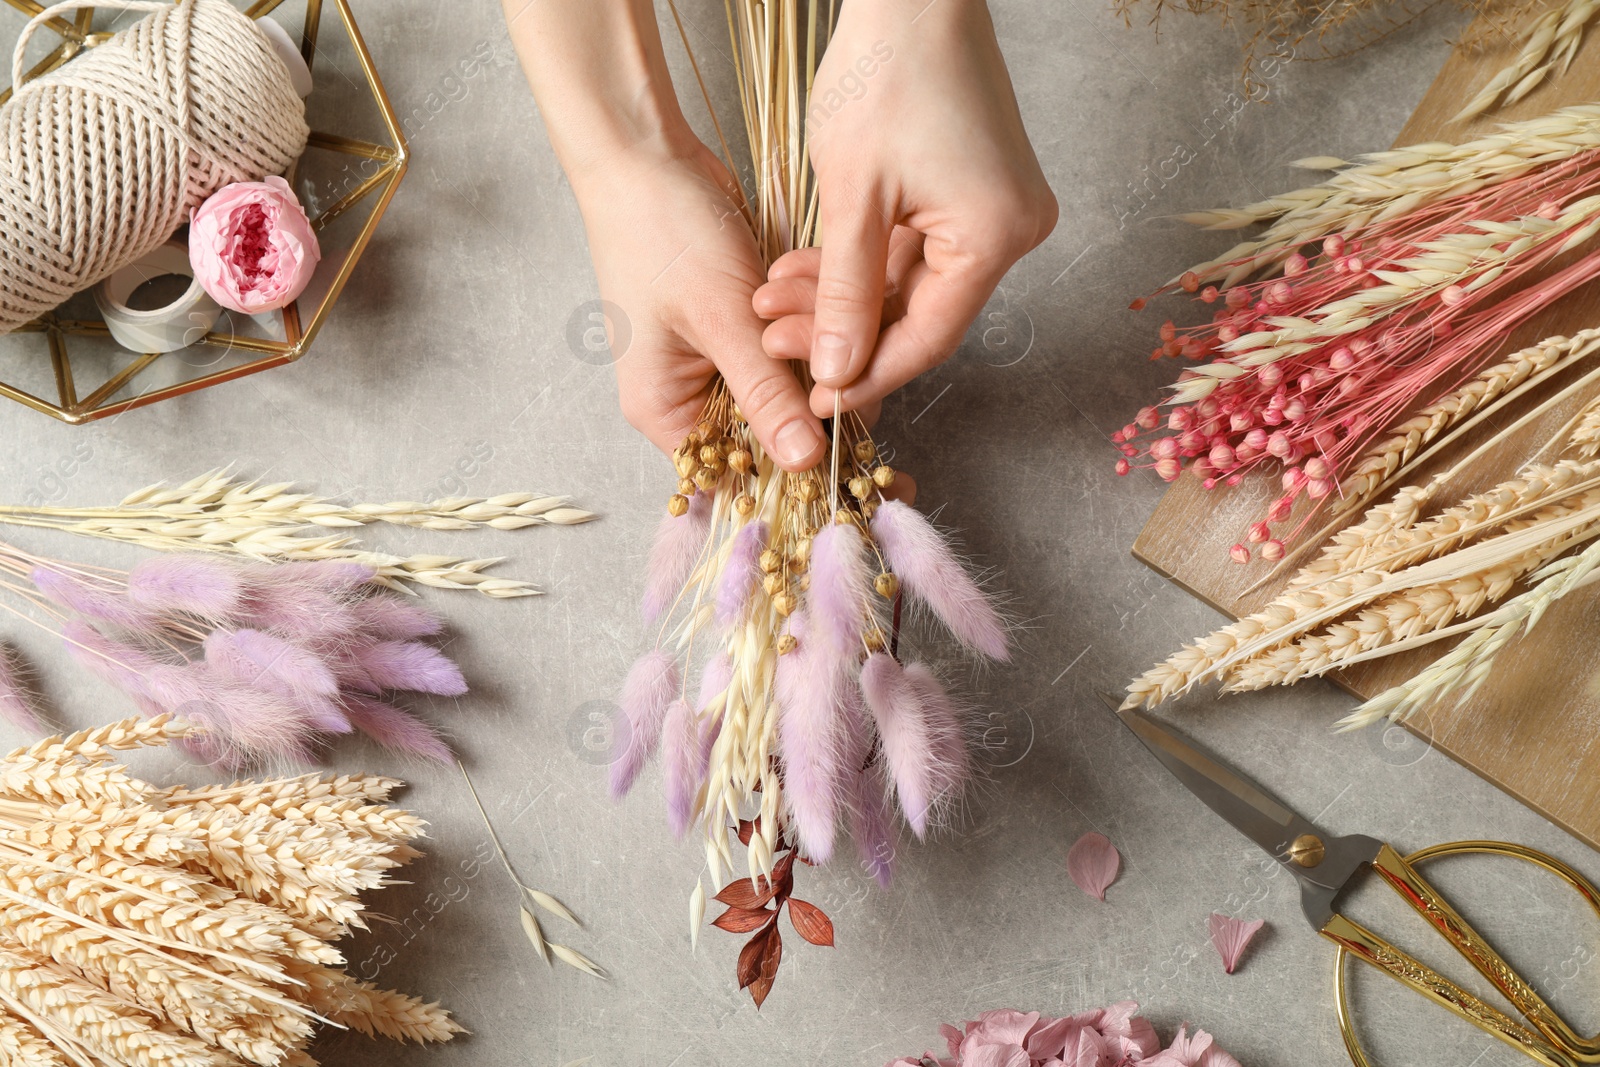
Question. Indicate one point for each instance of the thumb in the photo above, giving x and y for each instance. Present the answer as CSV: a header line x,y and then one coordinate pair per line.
x,y
849,302
768,394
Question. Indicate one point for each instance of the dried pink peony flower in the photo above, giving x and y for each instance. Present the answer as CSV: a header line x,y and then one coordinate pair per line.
x,y
1230,936
1093,862
251,246
1115,1036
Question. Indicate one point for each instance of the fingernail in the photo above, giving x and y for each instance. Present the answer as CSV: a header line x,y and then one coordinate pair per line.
x,y
830,357
796,440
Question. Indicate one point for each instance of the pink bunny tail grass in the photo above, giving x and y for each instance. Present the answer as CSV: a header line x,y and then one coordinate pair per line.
x,y
678,542
651,684
338,578
251,723
928,569
411,665
715,677
739,575
840,588
1092,864
922,738
120,664
202,586
810,739
397,730
16,696
388,618
1231,937
300,612
680,762
254,658
870,826
92,599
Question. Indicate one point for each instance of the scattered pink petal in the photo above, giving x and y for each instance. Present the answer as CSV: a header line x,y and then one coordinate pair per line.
x,y
1093,862
1231,936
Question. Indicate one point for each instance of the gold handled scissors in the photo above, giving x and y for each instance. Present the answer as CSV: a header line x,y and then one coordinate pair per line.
x,y
1324,866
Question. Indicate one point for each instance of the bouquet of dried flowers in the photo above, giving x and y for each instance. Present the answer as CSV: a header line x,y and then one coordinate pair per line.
x,y
157,926
1423,567
1105,1037
786,590
1384,289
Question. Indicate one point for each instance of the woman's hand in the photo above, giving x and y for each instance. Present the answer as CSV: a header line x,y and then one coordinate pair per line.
x,y
929,191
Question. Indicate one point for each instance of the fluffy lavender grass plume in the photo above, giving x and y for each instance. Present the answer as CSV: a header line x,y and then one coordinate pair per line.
x,y
678,542
120,664
251,722
388,618
335,577
303,611
680,762
739,575
839,588
715,677
869,825
85,598
196,585
920,733
16,698
397,730
650,686
928,569
808,682
254,658
411,665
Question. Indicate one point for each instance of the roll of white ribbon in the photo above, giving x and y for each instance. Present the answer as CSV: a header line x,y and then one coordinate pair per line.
x,y
165,329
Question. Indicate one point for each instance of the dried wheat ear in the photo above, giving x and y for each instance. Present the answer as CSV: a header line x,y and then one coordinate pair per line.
x,y
179,927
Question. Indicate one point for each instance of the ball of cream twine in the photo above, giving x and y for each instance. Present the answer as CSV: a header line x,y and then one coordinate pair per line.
x,y
102,159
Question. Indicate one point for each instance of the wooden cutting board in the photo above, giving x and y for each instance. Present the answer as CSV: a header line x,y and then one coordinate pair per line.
x,y
1534,728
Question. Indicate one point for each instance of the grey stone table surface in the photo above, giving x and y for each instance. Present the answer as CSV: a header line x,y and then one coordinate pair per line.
x,y
446,369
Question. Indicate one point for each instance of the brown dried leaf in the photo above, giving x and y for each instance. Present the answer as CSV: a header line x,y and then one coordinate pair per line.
x,y
771,956
742,920
749,968
747,829
811,923
741,894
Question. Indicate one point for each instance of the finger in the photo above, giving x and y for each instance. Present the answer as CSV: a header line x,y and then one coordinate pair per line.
x,y
940,308
767,392
786,296
788,338
661,394
903,489
802,262
850,287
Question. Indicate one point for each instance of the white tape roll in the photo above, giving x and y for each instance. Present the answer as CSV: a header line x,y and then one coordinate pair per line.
x,y
178,325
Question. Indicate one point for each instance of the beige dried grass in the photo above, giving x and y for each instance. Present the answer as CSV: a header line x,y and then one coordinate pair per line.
x,y
145,926
1550,41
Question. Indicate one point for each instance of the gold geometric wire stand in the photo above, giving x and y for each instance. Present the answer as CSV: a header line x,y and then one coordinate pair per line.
x,y
375,189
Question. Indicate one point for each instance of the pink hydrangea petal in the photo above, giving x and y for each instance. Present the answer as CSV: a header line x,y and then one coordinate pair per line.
x,y
1231,936
1092,863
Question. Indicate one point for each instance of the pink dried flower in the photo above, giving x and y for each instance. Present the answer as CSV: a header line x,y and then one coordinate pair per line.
x,y
1115,1036
411,665
808,682
1092,863
839,588
740,573
650,686
1231,936
251,246
922,739
680,759
678,542
196,585
397,730
928,570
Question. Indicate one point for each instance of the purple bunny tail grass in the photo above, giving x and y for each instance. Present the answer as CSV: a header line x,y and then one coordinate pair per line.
x,y
253,658
411,665
921,557
92,599
740,572
339,578
680,762
678,542
203,586
302,613
715,677
122,665
397,730
254,723
922,741
808,682
650,686
16,695
870,826
385,617
840,588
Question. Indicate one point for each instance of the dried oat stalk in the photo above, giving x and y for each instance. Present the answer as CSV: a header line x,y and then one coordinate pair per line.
x,y
142,926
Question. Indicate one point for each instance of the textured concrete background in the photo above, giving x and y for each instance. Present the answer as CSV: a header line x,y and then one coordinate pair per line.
x,y
447,369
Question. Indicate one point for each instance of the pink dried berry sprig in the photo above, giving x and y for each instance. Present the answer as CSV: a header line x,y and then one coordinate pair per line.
x,y
1299,385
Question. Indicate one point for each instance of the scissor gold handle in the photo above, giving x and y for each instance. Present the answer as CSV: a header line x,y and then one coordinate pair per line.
x,y
1546,1038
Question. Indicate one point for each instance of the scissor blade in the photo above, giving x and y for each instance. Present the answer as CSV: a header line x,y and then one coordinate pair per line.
x,y
1252,810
